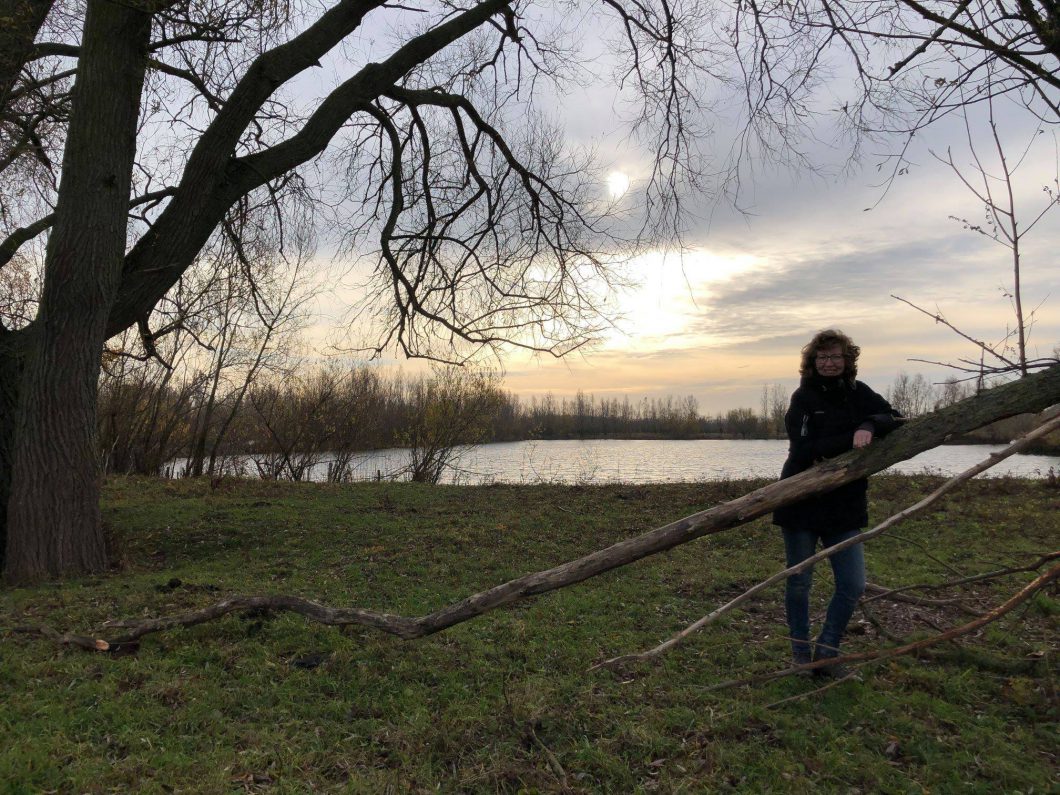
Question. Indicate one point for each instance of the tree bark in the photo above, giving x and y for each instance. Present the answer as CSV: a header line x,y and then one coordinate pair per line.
x,y
22,22
10,378
53,520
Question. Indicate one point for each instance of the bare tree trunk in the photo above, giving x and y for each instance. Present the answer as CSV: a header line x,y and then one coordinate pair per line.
x,y
198,449
22,22
53,511
10,377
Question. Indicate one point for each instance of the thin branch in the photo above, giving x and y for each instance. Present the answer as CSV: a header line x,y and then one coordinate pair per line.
x,y
922,48
812,693
897,596
890,593
938,318
14,241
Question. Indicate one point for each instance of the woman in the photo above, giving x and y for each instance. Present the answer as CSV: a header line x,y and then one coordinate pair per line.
x,y
831,412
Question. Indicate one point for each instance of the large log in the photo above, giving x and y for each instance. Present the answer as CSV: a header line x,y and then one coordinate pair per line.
x,y
1031,394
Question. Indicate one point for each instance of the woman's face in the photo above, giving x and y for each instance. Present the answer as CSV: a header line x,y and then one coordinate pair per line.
x,y
829,361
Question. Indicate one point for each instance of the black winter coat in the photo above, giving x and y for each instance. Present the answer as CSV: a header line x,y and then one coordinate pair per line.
x,y
821,421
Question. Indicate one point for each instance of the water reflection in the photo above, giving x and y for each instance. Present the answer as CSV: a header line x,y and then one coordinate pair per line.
x,y
658,461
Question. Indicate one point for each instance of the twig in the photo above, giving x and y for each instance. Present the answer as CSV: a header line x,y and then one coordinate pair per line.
x,y
927,553
896,596
925,620
938,318
553,762
885,593
1044,428
879,625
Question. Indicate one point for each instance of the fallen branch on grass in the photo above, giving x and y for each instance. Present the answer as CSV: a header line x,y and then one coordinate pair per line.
x,y
1015,601
896,595
879,592
964,655
67,638
1033,393
1041,430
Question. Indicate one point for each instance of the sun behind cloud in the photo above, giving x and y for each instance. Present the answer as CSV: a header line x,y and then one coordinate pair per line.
x,y
617,184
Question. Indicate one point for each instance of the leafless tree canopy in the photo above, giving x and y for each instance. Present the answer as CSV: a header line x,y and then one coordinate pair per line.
x,y
416,134
164,147
410,132
911,61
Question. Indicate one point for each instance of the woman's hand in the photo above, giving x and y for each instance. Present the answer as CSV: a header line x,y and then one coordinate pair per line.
x,y
862,438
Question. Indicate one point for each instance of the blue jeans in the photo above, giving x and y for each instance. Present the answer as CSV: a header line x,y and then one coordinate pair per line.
x,y
848,568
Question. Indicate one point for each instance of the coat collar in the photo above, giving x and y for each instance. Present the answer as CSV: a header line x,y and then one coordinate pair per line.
x,y
821,384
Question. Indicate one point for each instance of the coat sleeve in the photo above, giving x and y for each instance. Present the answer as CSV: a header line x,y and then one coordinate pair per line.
x,y
880,418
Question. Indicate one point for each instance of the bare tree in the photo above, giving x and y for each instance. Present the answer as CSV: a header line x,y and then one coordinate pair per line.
x,y
911,395
774,407
295,426
449,411
742,422
951,391
994,187
165,115
146,404
993,183
260,311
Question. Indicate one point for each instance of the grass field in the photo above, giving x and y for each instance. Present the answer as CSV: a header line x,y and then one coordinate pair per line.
x,y
505,703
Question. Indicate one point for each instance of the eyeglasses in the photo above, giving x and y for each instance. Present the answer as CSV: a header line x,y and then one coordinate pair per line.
x,y
830,357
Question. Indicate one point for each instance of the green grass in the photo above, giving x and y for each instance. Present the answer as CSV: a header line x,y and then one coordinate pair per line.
x,y
505,703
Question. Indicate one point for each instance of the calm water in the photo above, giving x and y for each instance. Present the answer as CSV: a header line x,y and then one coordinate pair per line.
x,y
661,461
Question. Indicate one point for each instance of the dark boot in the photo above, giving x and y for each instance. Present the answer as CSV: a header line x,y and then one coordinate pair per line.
x,y
833,671
800,653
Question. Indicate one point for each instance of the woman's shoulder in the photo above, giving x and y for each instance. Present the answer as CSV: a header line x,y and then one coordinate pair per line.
x,y
865,389
866,395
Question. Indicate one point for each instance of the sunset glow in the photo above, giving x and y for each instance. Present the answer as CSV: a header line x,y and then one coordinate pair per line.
x,y
660,309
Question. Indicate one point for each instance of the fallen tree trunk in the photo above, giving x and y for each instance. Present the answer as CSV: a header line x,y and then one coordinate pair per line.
x,y
1022,443
1031,394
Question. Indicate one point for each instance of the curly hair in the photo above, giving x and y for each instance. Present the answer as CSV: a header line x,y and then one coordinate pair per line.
x,y
825,339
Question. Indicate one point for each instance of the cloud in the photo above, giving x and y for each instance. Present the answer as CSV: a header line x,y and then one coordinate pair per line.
x,y
823,287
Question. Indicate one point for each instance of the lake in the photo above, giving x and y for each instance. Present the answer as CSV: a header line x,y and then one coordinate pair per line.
x,y
663,461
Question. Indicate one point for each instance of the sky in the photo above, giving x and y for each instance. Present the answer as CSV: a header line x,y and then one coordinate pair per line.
x,y
733,313
806,252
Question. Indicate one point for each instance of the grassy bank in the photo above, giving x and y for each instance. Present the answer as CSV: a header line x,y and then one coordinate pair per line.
x,y
273,703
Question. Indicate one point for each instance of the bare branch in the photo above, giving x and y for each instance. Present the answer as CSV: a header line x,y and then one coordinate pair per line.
x,y
17,238
938,318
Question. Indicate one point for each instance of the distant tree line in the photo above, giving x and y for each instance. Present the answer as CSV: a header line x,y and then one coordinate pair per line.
x,y
268,417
